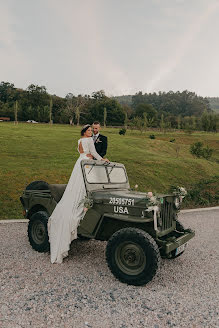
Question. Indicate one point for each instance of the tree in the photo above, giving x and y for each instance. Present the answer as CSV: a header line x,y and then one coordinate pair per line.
x,y
213,122
37,95
44,114
6,110
28,112
70,108
77,115
80,102
139,124
95,111
126,120
38,98
50,110
205,121
185,103
162,124
179,122
58,109
148,109
7,92
99,94
104,117
75,107
15,112
193,122
145,121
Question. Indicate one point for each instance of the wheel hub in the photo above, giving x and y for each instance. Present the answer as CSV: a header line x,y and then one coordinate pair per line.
x,y
130,258
38,232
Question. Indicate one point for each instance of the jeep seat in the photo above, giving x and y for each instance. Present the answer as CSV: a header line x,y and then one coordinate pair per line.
x,y
57,190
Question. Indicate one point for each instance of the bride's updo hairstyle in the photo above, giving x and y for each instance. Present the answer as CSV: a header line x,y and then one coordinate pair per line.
x,y
84,129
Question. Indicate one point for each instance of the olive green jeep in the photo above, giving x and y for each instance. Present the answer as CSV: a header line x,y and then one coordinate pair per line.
x,y
139,228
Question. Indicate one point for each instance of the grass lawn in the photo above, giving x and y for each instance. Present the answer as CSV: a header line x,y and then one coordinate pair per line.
x,y
31,152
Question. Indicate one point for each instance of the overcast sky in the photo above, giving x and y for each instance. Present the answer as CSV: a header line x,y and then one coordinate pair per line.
x,y
121,46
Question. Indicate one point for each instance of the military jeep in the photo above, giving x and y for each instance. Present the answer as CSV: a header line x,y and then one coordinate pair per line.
x,y
139,232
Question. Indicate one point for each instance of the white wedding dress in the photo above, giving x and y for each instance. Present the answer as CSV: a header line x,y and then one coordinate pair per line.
x,y
63,223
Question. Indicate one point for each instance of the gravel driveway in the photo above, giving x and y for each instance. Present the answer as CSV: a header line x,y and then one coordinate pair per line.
x,y
82,292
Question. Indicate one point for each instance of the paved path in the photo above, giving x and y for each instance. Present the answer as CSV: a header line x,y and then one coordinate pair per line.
x,y
82,292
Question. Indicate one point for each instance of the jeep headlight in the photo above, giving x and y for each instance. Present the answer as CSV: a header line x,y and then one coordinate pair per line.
x,y
177,202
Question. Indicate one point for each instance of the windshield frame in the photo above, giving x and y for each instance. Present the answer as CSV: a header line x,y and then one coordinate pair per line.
x,y
107,174
92,186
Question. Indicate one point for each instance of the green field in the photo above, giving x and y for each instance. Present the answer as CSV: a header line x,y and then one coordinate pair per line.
x,y
31,152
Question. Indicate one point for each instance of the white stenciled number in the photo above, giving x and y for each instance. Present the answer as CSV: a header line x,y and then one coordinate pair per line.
x,y
122,201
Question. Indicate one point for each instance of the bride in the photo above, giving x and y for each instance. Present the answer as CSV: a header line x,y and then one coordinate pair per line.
x,y
63,223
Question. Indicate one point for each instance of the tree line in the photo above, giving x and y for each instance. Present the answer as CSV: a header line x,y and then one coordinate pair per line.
x,y
178,110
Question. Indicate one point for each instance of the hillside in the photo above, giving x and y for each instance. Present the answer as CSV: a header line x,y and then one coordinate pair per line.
x,y
42,152
214,103
127,100
124,100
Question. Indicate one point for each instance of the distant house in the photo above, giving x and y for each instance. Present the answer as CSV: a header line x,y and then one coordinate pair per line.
x,y
4,118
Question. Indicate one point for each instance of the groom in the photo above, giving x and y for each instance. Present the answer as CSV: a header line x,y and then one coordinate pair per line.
x,y
100,141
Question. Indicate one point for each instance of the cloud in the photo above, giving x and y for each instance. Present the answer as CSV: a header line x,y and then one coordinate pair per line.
x,y
85,28
6,35
11,59
185,43
83,46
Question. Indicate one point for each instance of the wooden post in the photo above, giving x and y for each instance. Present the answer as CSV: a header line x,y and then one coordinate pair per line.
x,y
15,112
104,117
50,111
126,120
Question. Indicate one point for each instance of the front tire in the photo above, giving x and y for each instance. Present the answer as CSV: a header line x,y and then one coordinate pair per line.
x,y
83,238
133,256
38,232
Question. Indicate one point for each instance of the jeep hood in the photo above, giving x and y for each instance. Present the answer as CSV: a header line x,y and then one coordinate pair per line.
x,y
118,197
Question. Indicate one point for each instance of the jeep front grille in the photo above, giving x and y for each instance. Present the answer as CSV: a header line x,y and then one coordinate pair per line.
x,y
166,215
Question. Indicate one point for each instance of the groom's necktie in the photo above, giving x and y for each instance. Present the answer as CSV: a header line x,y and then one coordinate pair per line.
x,y
95,138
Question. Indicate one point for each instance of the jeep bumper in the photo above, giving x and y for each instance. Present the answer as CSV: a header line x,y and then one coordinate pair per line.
x,y
173,244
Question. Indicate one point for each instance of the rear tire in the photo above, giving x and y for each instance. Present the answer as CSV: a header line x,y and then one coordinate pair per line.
x,y
38,185
133,256
38,232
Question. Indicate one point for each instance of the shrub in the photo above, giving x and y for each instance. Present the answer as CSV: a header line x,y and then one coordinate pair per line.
x,y
207,152
122,131
198,150
203,193
152,136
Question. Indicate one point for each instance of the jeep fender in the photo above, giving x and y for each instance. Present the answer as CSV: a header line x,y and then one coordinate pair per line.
x,y
41,204
110,223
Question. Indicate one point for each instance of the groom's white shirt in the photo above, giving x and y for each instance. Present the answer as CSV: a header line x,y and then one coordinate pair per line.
x,y
95,136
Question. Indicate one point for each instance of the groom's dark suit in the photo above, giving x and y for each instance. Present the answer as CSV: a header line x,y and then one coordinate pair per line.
x,y
101,145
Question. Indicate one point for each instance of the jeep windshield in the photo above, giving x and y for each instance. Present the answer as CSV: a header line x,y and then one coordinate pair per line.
x,y
105,174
